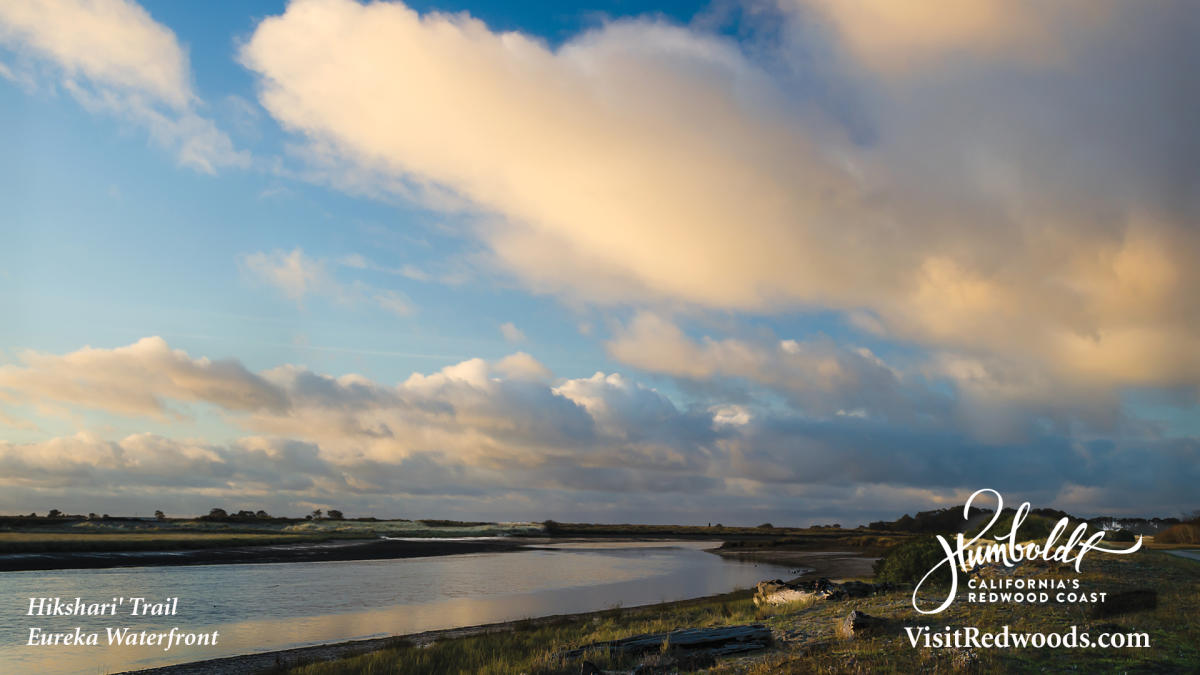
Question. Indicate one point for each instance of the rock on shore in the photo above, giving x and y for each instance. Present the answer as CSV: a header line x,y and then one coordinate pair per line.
x,y
776,592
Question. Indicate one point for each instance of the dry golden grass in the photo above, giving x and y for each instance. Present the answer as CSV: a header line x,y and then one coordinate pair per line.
x,y
1183,534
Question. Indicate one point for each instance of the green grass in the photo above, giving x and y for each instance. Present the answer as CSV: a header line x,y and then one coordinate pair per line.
x,y
808,640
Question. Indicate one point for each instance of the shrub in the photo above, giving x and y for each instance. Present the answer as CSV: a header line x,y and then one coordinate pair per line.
x,y
1183,533
1120,535
1033,527
909,562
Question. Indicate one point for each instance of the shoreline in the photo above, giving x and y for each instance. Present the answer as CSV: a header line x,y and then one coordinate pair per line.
x,y
815,564
808,638
325,551
296,656
384,548
833,565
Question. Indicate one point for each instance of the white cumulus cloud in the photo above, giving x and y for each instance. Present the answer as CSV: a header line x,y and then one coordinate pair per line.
x,y
1032,209
114,58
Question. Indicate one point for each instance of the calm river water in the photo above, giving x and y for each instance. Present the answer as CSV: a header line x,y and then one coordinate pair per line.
x,y
266,607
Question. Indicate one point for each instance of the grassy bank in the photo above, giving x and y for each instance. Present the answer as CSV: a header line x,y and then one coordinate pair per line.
x,y
807,638
532,646
867,543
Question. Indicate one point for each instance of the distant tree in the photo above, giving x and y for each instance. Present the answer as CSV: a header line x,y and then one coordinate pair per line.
x,y
159,515
262,514
54,513
316,513
766,526
217,514
334,514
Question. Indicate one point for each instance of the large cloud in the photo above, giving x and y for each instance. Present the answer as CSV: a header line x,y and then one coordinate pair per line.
x,y
88,462
115,58
471,437
138,379
1033,209
898,38
986,398
820,377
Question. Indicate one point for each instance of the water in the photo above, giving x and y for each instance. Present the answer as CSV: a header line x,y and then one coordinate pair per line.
x,y
264,607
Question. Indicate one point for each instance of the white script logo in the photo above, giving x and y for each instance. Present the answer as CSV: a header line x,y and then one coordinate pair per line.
x,y
1006,550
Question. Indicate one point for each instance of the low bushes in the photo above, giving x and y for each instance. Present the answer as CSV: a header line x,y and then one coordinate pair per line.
x,y
1183,533
909,562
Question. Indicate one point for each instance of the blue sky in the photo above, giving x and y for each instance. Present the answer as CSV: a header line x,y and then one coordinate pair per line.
x,y
373,257
140,249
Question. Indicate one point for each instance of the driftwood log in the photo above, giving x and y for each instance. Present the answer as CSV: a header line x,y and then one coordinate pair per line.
x,y
776,592
859,624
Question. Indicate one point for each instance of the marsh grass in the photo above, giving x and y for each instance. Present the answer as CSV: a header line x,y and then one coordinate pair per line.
x,y
54,542
1183,533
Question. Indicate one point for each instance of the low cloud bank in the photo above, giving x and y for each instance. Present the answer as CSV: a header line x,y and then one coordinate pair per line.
x,y
488,438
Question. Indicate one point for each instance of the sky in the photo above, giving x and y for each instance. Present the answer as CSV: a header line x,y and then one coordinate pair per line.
x,y
793,261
